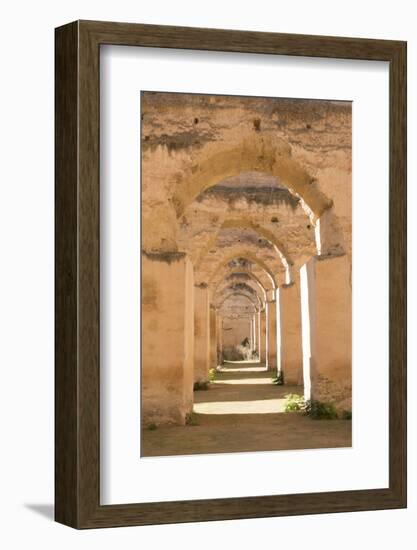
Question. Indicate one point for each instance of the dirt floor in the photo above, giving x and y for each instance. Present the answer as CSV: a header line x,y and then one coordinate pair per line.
x,y
243,411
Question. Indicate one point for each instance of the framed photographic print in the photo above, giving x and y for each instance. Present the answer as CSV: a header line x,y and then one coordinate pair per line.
x,y
230,274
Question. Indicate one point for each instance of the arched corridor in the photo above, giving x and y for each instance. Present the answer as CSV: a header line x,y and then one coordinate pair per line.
x,y
244,411
246,272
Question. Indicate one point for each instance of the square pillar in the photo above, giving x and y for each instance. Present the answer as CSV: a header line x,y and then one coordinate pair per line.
x,y
201,333
258,334
290,326
167,338
272,337
327,329
219,332
213,337
263,341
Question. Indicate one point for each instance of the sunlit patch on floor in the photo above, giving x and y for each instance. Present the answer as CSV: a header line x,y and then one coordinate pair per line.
x,y
242,410
261,406
244,369
245,381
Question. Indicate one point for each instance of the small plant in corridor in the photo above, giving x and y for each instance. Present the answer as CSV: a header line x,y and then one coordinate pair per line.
x,y
201,385
212,374
279,379
245,302
346,415
319,410
191,419
294,403
152,427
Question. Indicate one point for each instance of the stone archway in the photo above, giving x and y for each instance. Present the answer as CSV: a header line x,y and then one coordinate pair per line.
x,y
255,152
229,218
265,153
241,252
261,276
233,276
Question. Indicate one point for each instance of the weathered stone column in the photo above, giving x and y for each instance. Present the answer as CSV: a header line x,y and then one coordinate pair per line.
x,y
327,329
167,337
290,324
272,362
213,338
258,333
219,332
201,333
263,340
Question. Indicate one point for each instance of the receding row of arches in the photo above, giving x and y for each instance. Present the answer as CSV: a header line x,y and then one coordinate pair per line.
x,y
241,248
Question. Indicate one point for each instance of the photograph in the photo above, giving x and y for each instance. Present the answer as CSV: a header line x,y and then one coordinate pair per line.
x,y
246,273
209,251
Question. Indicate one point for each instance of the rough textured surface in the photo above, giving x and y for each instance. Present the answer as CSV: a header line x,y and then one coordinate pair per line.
x,y
328,358
201,334
265,157
291,352
167,366
248,191
245,403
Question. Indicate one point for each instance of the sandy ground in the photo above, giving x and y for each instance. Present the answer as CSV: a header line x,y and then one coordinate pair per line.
x,y
243,411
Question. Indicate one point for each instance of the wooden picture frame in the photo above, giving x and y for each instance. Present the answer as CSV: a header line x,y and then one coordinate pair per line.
x,y
77,382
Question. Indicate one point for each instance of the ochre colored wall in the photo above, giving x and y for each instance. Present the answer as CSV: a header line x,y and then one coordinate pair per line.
x,y
201,334
263,344
213,338
242,192
272,335
330,303
290,325
167,338
235,331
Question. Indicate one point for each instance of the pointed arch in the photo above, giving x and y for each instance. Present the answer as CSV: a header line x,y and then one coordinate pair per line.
x,y
256,152
242,287
232,294
253,277
231,253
